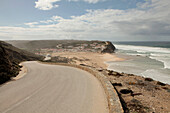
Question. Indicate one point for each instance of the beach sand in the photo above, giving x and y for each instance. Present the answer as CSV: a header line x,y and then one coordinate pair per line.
x,y
88,58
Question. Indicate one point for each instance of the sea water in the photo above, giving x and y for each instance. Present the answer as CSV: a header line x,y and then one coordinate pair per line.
x,y
148,59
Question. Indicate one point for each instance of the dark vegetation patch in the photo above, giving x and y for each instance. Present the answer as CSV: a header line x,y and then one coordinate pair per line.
x,y
59,59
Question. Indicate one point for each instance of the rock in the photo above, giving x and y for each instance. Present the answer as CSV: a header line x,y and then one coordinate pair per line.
x,y
165,88
148,79
160,83
99,69
117,74
116,84
110,72
130,74
109,48
82,64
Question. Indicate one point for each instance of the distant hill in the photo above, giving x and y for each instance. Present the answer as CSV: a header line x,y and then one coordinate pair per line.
x,y
10,57
39,44
47,43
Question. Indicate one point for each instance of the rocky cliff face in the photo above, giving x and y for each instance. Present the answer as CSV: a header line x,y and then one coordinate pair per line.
x,y
110,48
8,68
10,57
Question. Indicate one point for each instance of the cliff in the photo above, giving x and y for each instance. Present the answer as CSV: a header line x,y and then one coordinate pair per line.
x,y
8,68
109,48
10,57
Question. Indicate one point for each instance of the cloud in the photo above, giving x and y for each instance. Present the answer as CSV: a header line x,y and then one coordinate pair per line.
x,y
51,20
49,4
31,24
54,18
46,21
149,21
89,1
46,4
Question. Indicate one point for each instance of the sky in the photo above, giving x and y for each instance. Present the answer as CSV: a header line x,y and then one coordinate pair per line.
x,y
114,20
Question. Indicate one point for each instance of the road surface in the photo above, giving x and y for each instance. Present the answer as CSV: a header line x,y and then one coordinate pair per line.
x,y
53,89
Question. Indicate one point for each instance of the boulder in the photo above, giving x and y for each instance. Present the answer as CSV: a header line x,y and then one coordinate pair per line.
x,y
160,83
148,79
117,84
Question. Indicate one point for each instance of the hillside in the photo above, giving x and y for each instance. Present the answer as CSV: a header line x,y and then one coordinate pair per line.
x,y
48,43
10,57
44,46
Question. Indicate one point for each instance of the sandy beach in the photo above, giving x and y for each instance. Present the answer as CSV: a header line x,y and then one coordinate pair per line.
x,y
88,58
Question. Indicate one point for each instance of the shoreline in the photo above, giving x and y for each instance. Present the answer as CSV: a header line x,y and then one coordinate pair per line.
x,y
131,70
98,60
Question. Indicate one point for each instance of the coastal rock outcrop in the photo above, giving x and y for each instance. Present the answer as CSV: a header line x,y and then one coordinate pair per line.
x,y
110,48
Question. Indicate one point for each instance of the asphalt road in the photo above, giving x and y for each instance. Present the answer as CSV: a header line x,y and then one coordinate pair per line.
x,y
53,89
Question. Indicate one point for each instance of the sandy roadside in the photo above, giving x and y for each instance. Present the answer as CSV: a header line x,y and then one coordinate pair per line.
x,y
21,74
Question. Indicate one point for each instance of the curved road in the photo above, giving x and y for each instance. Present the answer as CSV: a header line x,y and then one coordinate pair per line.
x,y
53,89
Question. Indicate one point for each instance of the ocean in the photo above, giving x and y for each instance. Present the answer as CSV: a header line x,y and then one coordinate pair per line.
x,y
148,59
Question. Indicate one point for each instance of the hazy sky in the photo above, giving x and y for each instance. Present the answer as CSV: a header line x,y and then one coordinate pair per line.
x,y
116,20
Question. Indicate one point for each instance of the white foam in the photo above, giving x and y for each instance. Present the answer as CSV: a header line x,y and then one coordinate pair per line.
x,y
165,61
157,75
157,53
160,55
165,58
143,49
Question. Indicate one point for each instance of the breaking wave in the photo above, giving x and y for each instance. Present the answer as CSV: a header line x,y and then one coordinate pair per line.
x,y
157,53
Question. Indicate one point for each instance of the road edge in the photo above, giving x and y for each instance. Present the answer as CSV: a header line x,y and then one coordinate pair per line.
x,y
22,73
